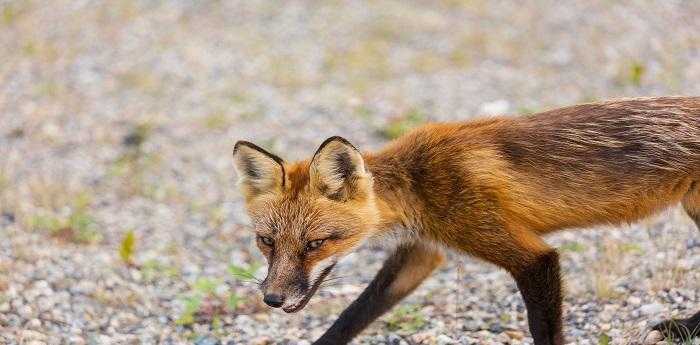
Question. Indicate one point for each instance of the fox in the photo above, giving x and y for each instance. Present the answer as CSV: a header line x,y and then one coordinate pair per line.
x,y
489,188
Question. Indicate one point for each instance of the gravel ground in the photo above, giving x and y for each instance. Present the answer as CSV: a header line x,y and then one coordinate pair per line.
x,y
119,219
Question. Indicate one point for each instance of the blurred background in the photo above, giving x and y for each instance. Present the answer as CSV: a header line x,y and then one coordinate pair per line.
x,y
119,219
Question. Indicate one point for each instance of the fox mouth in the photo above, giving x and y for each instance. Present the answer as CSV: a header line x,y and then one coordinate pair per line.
x,y
301,304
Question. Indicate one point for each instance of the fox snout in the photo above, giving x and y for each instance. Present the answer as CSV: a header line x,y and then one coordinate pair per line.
x,y
283,294
285,284
274,300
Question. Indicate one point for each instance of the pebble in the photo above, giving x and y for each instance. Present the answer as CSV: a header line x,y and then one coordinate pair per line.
x,y
443,339
76,340
653,337
651,309
262,341
33,335
207,341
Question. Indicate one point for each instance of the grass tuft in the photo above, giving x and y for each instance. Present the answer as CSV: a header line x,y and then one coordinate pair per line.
x,y
406,319
78,227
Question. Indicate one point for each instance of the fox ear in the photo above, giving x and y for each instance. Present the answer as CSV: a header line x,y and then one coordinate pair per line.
x,y
259,171
338,171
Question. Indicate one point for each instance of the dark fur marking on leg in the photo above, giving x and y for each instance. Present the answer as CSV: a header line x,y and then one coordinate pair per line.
x,y
373,302
540,285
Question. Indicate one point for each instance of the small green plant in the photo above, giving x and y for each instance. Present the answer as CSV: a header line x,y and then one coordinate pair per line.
x,y
574,247
604,339
153,269
636,73
234,301
45,222
127,247
202,289
78,227
191,307
203,303
244,272
403,124
632,248
10,13
406,319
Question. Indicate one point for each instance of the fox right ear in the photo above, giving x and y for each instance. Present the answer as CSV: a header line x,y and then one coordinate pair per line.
x,y
259,172
337,170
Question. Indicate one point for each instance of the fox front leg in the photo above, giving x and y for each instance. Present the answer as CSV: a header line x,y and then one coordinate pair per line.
x,y
402,272
535,267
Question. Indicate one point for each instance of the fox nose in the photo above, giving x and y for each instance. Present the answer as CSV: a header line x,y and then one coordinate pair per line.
x,y
273,300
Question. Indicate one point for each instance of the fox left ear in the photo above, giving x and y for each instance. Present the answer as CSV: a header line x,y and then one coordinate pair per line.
x,y
259,171
338,170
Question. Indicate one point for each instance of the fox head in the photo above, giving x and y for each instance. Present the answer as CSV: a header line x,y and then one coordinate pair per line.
x,y
306,215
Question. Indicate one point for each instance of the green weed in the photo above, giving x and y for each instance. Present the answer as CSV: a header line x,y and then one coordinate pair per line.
x,y
203,303
127,247
636,72
153,269
78,227
406,319
574,247
244,272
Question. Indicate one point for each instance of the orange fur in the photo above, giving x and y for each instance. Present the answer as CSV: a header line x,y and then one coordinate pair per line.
x,y
489,188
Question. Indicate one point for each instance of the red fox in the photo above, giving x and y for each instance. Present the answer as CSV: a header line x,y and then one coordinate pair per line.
x,y
488,188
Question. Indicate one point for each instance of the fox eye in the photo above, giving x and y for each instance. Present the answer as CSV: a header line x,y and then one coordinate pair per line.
x,y
267,240
314,244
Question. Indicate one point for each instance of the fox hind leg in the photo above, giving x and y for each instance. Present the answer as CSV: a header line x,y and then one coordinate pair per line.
x,y
690,327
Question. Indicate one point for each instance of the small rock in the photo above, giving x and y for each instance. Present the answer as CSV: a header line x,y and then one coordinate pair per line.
x,y
651,309
443,339
76,340
634,300
205,340
496,328
393,339
34,324
653,337
262,341
517,335
25,311
9,217
33,335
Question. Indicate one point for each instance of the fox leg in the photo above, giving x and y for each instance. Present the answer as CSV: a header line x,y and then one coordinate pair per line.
x,y
402,272
535,267
690,327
